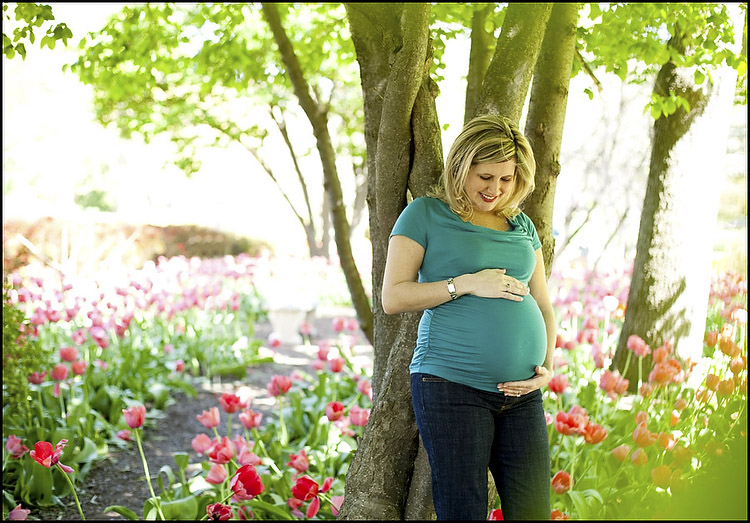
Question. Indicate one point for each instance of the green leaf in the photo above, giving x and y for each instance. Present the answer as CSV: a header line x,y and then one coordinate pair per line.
x,y
123,511
271,509
699,77
184,508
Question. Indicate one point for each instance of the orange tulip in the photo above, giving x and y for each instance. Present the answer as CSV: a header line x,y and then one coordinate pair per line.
x,y
661,476
666,441
621,452
712,381
639,457
642,436
726,387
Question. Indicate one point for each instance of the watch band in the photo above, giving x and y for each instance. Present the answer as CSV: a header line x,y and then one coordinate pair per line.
x,y
452,289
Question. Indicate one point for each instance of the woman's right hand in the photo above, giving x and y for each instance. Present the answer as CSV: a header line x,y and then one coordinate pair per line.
x,y
494,283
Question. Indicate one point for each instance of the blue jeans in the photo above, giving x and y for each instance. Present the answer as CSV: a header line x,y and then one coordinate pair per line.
x,y
465,431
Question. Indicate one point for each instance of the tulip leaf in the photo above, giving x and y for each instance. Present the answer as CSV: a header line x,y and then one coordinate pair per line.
x,y
184,508
123,511
257,504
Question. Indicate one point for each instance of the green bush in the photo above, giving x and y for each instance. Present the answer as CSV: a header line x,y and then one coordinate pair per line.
x,y
22,355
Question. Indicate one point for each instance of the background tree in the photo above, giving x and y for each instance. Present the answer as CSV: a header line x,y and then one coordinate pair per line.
x,y
211,76
28,17
691,46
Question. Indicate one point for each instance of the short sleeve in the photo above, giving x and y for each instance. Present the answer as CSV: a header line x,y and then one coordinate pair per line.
x,y
529,226
412,222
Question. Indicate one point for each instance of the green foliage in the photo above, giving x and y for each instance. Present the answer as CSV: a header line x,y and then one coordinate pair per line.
x,y
32,16
22,355
96,199
634,40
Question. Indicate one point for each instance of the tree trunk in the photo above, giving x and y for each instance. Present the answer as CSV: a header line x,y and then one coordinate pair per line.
x,y
671,274
508,76
319,121
389,475
403,152
546,117
482,44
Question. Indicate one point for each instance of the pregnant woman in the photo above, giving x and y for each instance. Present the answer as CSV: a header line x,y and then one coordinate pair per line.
x,y
471,260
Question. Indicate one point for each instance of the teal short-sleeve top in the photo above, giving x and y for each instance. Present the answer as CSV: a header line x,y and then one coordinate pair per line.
x,y
478,342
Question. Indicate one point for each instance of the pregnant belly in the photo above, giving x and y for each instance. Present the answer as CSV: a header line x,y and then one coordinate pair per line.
x,y
489,341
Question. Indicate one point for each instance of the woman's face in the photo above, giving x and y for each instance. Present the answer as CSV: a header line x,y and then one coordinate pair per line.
x,y
489,185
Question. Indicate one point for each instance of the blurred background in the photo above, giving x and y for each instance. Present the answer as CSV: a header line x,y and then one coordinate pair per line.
x,y
78,195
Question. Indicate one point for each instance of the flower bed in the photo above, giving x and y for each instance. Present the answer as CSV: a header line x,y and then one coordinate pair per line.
x,y
119,346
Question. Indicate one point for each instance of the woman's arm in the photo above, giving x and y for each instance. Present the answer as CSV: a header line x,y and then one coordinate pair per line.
x,y
403,293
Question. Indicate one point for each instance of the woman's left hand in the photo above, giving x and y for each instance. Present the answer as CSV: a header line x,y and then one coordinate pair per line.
x,y
519,388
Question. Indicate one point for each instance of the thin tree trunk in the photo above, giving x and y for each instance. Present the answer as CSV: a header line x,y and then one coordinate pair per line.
x,y
546,118
482,44
509,73
319,120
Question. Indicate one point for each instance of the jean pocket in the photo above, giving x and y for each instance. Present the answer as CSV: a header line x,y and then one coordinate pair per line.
x,y
429,378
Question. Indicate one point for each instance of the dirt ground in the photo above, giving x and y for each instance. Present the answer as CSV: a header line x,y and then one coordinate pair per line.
x,y
119,478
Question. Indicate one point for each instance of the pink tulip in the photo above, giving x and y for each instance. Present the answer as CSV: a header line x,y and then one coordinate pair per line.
x,y
359,416
250,419
334,410
79,337
209,418
231,403
217,474
18,514
202,443
279,385
299,461
59,372
124,435
135,416
222,451
79,367
68,354
337,364
15,447
37,378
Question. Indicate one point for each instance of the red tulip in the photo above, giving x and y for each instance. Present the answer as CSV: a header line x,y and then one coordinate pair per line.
x,y
557,515
37,378
209,418
336,364
313,508
561,482
335,410
305,489
594,433
231,403
44,455
219,512
135,416
558,383
246,483
572,422
496,515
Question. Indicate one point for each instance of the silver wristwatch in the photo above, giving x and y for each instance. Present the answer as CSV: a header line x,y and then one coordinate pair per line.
x,y
452,289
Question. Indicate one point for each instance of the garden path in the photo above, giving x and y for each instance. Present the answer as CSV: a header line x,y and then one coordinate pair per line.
x,y
119,478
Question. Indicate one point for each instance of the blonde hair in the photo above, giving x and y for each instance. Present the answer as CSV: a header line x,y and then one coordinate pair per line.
x,y
486,139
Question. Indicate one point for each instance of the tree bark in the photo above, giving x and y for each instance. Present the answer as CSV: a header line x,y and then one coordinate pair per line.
x,y
403,153
546,118
509,73
319,121
671,273
482,45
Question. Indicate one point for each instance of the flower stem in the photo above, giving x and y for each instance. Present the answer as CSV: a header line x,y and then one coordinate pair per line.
x,y
148,474
73,490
